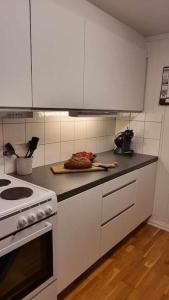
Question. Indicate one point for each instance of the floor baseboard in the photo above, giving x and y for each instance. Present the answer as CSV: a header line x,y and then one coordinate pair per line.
x,y
161,225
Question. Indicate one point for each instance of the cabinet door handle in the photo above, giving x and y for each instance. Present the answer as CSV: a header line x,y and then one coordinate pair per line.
x,y
120,213
118,189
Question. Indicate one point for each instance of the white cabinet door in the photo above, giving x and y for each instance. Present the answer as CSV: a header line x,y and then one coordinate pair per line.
x,y
58,56
15,58
145,193
117,229
141,195
114,71
118,201
79,220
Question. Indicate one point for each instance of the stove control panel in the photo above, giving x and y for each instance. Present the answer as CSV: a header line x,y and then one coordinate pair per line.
x,y
31,218
38,213
48,210
22,222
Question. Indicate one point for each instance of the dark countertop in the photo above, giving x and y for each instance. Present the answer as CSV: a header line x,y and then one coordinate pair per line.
x,y
67,185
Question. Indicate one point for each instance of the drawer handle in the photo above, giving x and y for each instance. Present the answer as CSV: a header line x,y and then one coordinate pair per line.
x,y
118,214
118,189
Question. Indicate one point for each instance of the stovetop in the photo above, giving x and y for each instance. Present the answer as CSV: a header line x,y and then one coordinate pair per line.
x,y
30,195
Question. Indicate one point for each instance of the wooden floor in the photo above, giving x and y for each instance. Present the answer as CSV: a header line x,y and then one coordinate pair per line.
x,y
137,270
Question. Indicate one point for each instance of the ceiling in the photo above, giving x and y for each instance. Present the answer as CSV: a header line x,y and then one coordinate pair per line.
x,y
149,17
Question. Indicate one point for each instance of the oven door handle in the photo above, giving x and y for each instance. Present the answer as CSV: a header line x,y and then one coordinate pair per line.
x,y
16,242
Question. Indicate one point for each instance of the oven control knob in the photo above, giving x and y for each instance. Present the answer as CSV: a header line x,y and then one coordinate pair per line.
x,y
22,222
31,218
48,210
40,214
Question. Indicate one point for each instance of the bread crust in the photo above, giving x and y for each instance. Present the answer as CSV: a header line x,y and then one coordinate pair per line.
x,y
78,163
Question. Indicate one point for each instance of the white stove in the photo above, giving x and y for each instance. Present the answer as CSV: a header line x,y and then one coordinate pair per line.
x,y
10,206
25,211
28,231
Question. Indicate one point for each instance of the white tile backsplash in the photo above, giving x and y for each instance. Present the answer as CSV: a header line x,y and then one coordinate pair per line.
x,y
14,133
138,128
80,130
91,145
110,127
1,136
152,130
151,146
138,117
67,148
1,162
92,128
52,153
35,129
39,156
13,121
52,132
103,144
122,125
67,131
60,136
137,144
153,117
80,145
147,131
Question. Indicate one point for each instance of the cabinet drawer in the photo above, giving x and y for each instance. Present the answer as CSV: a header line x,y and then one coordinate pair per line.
x,y
117,183
118,200
114,231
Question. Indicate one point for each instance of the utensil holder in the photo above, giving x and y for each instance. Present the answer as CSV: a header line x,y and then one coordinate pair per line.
x,y
24,166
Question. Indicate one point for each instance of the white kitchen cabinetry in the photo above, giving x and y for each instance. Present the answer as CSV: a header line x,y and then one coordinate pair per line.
x,y
118,209
57,55
114,71
134,200
145,192
115,230
93,222
15,59
79,220
118,200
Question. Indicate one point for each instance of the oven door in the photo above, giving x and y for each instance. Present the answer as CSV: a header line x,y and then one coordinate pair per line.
x,y
27,262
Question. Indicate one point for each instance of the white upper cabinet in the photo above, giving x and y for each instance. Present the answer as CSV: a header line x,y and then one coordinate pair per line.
x,y
15,59
114,71
57,55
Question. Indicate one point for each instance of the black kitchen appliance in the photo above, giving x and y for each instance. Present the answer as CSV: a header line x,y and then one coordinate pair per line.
x,y
123,142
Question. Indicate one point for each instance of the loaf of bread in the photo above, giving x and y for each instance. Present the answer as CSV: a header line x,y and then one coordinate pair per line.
x,y
78,163
89,155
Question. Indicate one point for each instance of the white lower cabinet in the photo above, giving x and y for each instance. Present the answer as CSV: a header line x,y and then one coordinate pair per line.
x,y
136,197
145,192
79,219
93,222
114,231
119,199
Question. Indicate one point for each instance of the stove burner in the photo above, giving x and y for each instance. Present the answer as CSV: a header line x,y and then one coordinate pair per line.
x,y
4,182
16,193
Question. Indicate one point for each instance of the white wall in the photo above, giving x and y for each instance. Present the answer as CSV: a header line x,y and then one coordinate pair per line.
x,y
158,53
152,127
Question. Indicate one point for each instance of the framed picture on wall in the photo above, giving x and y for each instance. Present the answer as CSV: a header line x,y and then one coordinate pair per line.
x,y
164,94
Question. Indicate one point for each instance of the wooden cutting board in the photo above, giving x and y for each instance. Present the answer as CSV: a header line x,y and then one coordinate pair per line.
x,y
59,168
